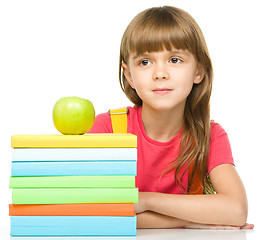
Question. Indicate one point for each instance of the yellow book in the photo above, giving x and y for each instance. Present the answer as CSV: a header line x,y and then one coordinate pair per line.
x,y
98,140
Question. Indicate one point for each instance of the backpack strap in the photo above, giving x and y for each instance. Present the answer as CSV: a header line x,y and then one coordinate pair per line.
x,y
196,186
120,125
119,120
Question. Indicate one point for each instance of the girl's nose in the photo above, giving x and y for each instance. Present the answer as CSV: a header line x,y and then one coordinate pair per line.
x,y
160,73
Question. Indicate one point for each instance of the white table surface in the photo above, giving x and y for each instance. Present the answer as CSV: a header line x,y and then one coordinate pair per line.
x,y
159,234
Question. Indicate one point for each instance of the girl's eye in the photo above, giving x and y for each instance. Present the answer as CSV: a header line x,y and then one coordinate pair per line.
x,y
145,63
175,60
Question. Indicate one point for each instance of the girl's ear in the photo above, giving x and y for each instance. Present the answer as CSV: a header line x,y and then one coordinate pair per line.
x,y
200,74
127,74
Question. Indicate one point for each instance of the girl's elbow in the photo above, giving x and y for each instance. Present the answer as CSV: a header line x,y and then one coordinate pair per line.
x,y
240,214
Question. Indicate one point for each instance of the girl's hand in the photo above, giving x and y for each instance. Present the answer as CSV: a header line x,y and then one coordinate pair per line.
x,y
247,226
141,206
191,225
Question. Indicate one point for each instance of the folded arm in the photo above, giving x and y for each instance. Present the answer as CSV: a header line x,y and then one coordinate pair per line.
x,y
227,207
150,219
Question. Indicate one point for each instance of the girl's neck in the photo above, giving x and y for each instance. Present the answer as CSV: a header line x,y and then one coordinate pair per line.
x,y
162,126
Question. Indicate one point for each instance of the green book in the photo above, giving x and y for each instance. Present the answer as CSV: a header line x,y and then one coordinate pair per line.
x,y
74,195
73,182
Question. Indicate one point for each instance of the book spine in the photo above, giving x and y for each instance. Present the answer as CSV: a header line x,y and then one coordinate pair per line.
x,y
74,195
84,209
73,182
73,226
73,168
109,140
74,154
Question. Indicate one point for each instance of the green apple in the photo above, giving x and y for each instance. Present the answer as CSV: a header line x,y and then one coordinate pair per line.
x,y
73,115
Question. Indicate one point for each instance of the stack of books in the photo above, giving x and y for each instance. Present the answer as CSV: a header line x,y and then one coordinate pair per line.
x,y
73,185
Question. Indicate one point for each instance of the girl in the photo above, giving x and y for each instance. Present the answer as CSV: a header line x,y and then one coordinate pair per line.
x,y
166,71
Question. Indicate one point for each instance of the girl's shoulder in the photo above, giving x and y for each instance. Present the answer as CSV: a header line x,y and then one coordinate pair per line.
x,y
102,124
216,130
220,150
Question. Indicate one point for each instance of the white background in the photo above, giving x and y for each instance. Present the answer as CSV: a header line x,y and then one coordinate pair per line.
x,y
50,49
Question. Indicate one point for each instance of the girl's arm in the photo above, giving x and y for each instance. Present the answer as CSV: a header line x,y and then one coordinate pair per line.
x,y
227,207
150,219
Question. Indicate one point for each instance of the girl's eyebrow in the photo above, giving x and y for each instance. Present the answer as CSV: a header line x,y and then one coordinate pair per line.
x,y
174,52
142,55
180,51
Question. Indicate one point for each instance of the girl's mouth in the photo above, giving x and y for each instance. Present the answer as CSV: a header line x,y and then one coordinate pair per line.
x,y
162,91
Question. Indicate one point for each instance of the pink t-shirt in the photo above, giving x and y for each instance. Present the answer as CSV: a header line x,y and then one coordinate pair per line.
x,y
154,156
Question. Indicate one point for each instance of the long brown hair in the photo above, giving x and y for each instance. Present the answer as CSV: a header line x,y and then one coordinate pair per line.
x,y
160,28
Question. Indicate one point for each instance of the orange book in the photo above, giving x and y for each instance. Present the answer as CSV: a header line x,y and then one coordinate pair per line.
x,y
88,209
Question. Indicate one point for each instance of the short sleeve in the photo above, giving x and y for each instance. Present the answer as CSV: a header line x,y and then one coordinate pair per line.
x,y
102,124
220,150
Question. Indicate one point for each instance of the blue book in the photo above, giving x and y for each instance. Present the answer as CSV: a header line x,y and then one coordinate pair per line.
x,y
73,226
73,154
89,168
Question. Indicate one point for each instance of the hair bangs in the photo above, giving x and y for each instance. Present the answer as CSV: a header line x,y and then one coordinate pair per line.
x,y
158,32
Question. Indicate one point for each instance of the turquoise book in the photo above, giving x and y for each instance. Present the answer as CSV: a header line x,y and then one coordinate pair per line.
x,y
73,226
88,168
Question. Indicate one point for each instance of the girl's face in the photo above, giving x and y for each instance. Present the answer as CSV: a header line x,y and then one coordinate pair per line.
x,y
164,79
